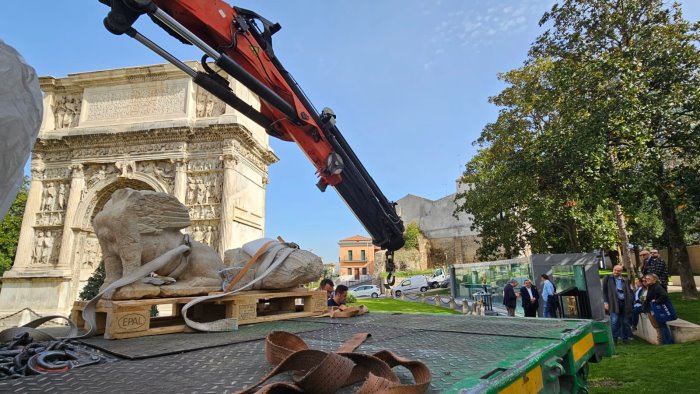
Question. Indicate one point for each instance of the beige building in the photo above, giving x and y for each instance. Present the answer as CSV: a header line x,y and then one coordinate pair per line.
x,y
448,239
145,128
356,258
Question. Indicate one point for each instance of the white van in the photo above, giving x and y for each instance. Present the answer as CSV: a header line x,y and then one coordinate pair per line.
x,y
413,284
438,277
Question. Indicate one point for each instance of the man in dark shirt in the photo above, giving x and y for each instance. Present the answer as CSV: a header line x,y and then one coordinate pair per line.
x,y
658,267
510,297
327,285
341,293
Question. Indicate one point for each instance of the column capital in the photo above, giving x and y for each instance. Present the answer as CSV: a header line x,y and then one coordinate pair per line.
x,y
37,173
229,160
77,170
180,163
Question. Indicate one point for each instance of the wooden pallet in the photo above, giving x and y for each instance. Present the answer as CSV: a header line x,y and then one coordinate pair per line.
x,y
132,318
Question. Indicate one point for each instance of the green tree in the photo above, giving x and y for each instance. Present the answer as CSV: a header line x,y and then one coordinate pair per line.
x,y
411,236
603,111
634,82
532,185
95,281
10,228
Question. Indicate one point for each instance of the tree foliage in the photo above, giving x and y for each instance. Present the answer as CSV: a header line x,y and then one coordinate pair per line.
x,y
10,227
95,281
603,111
411,236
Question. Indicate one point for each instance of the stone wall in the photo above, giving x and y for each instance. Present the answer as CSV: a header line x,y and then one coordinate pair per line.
x,y
453,250
450,239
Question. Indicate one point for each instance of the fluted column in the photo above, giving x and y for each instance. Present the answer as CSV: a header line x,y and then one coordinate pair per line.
x,y
23,257
180,190
227,203
77,185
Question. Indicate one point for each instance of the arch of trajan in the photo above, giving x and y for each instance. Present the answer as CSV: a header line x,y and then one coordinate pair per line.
x,y
145,128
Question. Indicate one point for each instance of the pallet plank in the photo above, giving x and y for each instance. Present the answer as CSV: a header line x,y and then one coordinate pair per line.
x,y
132,319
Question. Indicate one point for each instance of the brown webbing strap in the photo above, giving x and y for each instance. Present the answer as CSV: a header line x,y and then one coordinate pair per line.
x,y
345,311
379,384
247,266
354,342
327,372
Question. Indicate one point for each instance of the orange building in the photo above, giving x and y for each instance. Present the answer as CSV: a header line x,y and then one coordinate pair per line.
x,y
356,258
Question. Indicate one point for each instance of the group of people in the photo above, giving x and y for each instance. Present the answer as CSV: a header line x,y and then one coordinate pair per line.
x,y
625,304
530,297
335,297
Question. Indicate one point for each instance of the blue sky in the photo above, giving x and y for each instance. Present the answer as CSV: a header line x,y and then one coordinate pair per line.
x,y
409,81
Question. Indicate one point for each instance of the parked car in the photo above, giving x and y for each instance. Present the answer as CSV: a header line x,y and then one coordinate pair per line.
x,y
366,291
413,284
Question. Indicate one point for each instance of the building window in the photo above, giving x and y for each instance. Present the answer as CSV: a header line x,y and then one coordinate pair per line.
x,y
349,271
362,255
350,255
364,271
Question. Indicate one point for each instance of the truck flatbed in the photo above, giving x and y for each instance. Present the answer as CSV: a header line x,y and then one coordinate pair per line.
x,y
464,354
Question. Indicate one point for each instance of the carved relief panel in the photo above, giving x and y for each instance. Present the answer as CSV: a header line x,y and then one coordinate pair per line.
x,y
164,171
66,110
203,199
95,173
47,244
207,105
206,233
204,187
54,197
92,254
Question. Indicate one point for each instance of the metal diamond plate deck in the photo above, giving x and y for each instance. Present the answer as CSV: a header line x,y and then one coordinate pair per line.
x,y
458,350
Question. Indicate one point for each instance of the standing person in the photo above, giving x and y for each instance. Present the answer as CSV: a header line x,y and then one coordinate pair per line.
x,y
617,300
530,298
510,298
639,289
658,267
644,256
327,286
548,296
341,293
656,293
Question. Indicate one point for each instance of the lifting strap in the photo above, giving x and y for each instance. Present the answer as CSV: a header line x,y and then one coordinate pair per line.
x,y
325,373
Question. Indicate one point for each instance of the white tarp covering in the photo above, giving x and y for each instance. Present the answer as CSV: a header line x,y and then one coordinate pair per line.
x,y
21,111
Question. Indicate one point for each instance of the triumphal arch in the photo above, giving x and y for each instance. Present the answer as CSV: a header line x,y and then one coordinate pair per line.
x,y
144,128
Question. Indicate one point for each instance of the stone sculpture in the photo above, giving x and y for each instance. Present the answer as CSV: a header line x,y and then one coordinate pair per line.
x,y
135,227
280,267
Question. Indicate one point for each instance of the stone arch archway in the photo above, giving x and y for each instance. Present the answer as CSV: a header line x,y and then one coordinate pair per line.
x,y
103,195
97,196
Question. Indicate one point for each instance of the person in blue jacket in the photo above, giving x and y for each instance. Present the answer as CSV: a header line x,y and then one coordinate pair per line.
x,y
548,297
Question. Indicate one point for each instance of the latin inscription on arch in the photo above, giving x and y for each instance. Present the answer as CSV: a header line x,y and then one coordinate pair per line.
x,y
158,100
